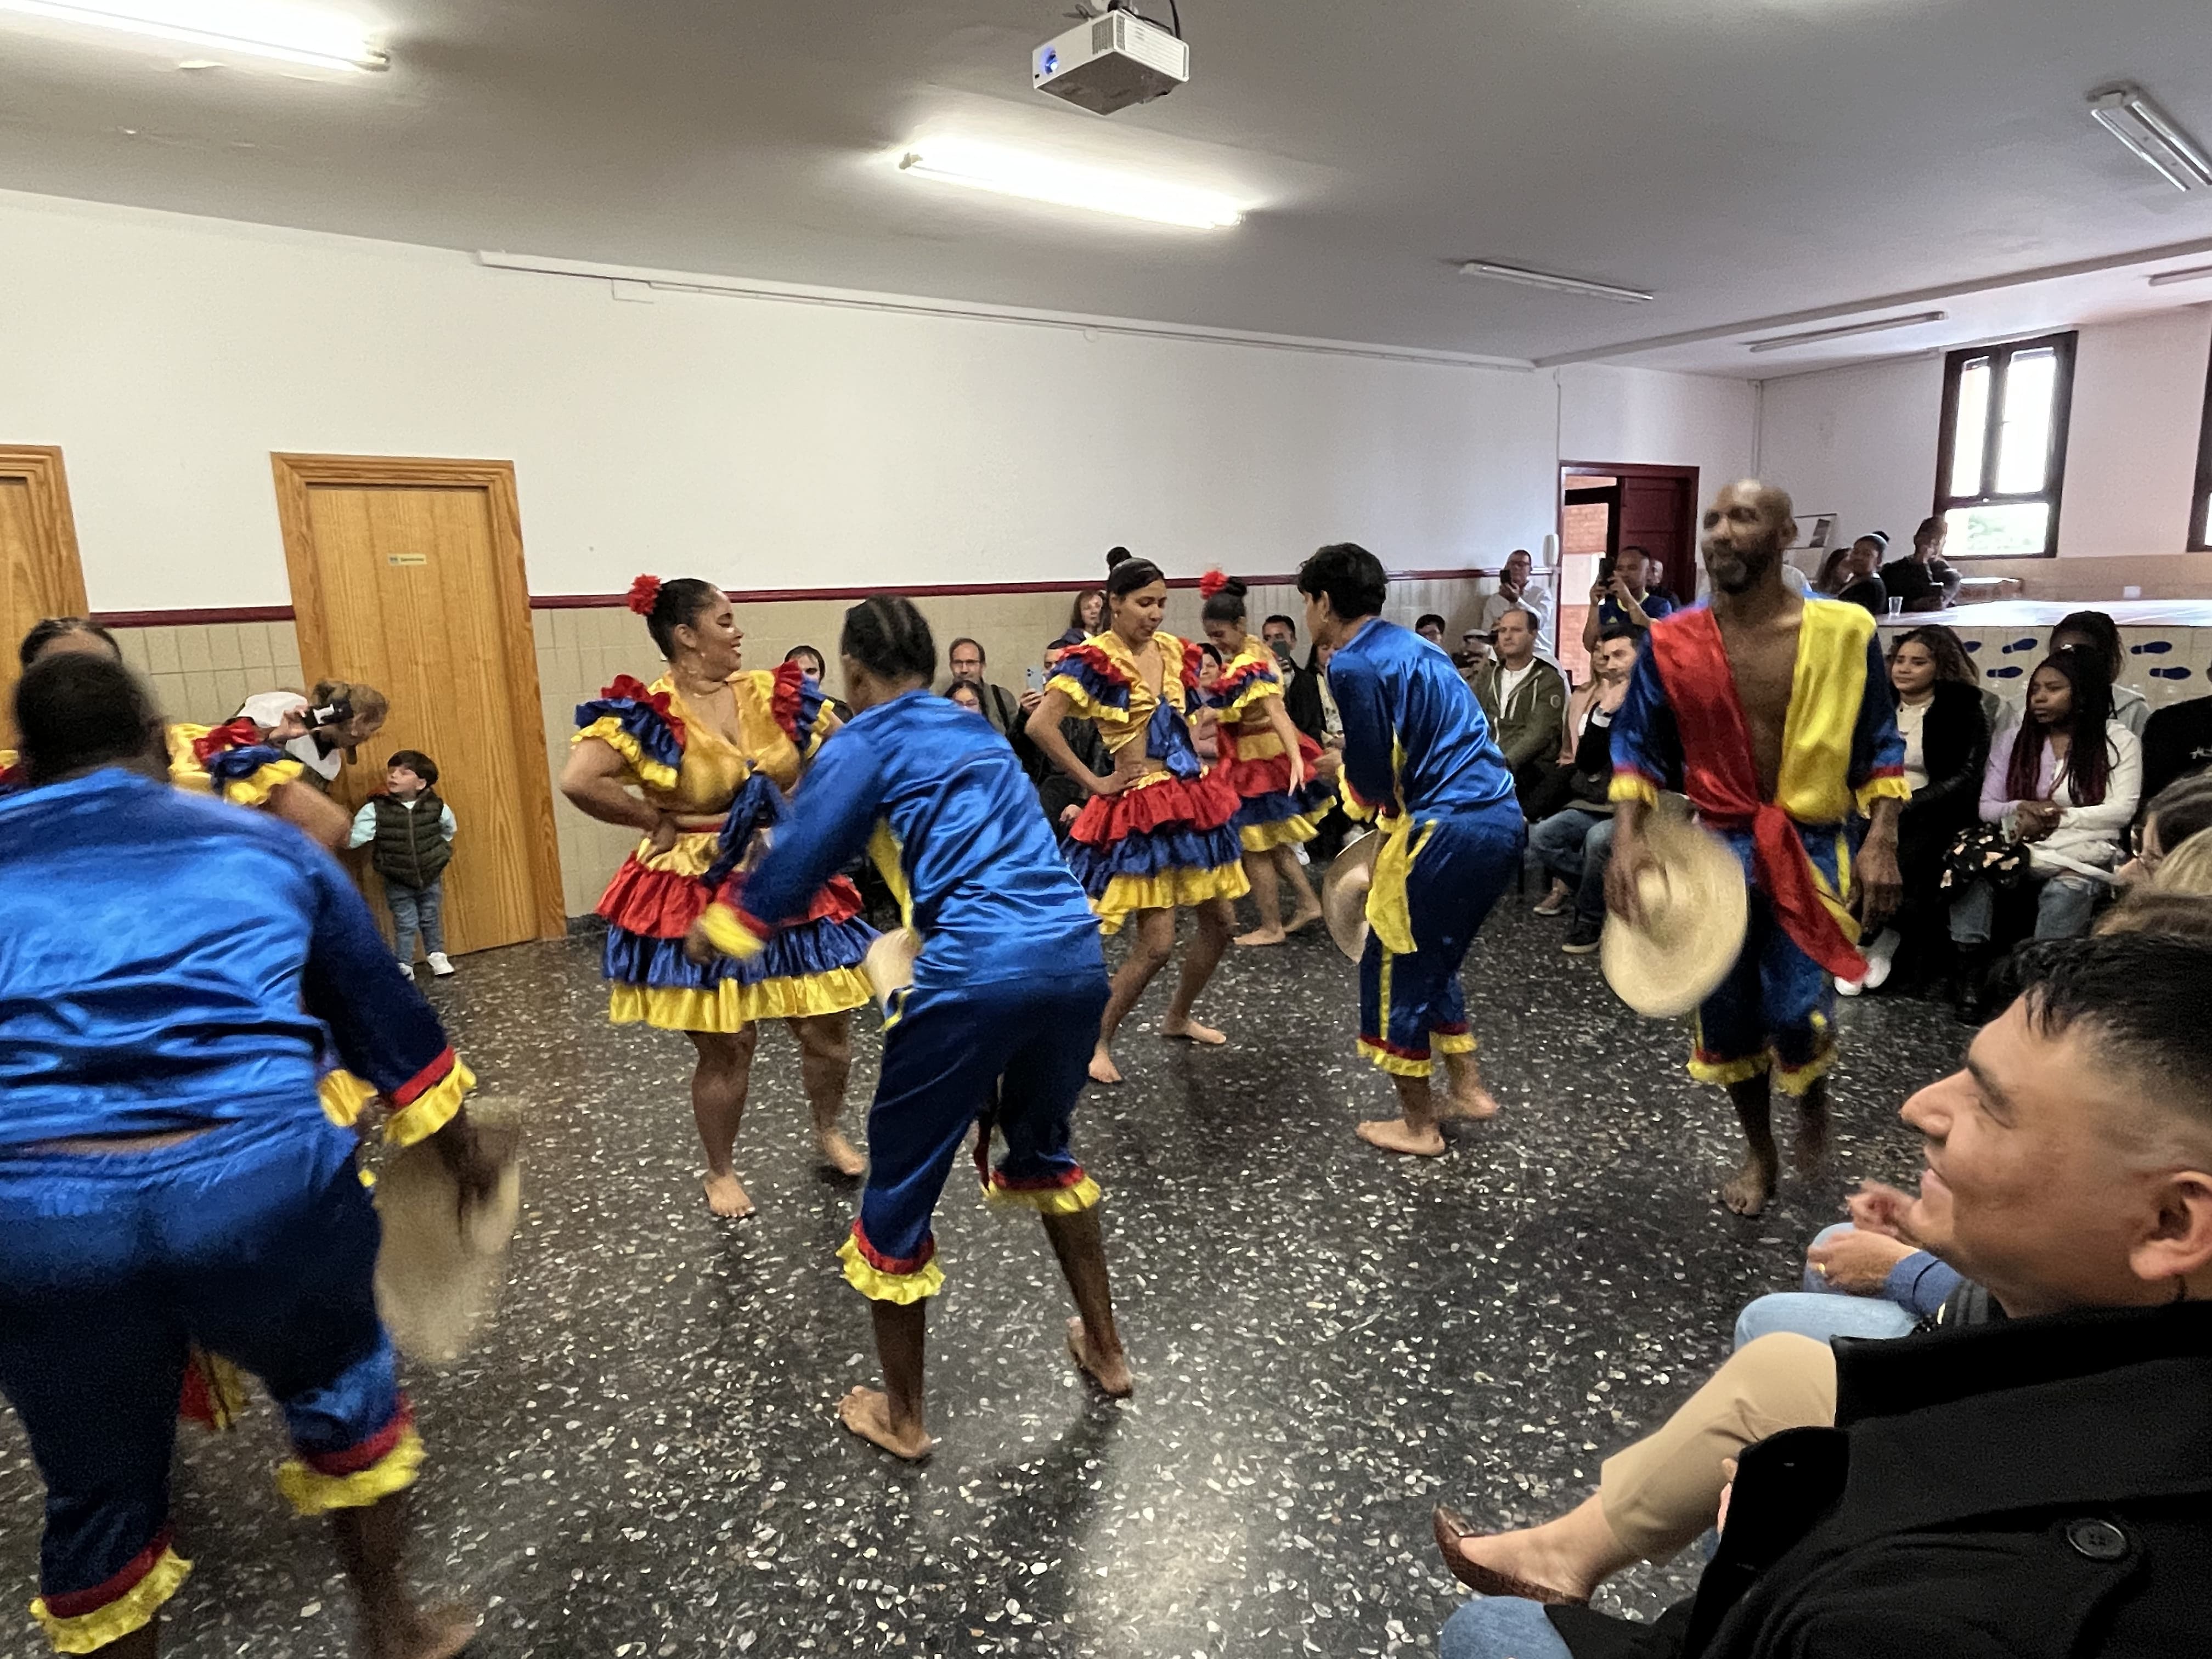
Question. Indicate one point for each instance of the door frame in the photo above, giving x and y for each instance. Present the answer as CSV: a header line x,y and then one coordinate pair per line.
x,y
295,474
1569,469
39,468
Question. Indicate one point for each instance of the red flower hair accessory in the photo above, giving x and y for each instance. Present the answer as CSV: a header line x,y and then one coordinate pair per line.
x,y
1212,583
644,593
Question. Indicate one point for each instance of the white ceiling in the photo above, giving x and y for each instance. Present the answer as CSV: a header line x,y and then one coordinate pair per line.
x,y
1745,159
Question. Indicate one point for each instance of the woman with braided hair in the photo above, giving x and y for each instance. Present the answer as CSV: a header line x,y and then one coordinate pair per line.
x,y
711,749
1156,834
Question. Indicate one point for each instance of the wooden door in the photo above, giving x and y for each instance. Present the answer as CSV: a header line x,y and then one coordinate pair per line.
x,y
407,575
1659,513
39,575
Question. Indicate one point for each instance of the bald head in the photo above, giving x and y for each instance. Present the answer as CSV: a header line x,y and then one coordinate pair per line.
x,y
1746,529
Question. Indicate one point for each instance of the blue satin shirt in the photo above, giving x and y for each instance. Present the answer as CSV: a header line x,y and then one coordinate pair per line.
x,y
1414,737
937,797
169,961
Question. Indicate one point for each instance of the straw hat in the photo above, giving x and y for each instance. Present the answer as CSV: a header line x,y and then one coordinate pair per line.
x,y
441,1269
1695,906
1344,894
889,963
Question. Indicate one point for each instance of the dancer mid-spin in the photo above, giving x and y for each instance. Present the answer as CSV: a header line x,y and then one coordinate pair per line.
x,y
1269,762
1418,757
1157,832
1006,992
689,743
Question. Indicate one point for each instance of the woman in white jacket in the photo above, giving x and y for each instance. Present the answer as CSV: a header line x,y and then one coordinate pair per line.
x,y
2065,780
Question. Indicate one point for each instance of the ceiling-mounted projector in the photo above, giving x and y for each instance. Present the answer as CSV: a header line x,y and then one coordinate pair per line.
x,y
1108,63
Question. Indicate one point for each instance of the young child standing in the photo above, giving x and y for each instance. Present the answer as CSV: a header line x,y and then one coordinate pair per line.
x,y
410,832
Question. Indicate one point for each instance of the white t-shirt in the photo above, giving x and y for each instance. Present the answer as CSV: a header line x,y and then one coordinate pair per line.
x,y
1910,718
1508,682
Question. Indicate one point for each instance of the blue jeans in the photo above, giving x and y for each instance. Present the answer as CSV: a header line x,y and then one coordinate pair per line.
x,y
414,907
1820,1312
1500,1628
2062,908
1576,846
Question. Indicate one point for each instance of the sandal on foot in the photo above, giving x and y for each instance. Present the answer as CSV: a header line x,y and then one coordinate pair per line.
x,y
1450,1526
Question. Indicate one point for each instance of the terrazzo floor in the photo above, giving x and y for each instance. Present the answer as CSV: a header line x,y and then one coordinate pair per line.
x,y
641,1461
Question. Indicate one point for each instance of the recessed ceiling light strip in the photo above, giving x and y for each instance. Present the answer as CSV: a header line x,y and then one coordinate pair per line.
x,y
1528,278
2194,274
293,34
1783,342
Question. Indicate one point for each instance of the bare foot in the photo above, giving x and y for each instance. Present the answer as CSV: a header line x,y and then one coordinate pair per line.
x,y
867,1413
725,1196
1110,1372
1464,1096
1191,1031
439,1633
841,1154
1809,1157
1394,1135
1302,920
1102,1068
1259,936
1746,1191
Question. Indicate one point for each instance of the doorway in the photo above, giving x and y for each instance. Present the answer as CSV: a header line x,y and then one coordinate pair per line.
x,y
1604,508
39,575
407,575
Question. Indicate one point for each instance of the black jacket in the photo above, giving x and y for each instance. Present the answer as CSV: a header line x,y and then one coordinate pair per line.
x,y
1302,700
2037,1489
1954,741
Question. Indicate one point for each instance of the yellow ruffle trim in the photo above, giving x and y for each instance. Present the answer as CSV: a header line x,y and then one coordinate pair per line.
x,y
1630,786
1088,707
344,1097
652,773
1876,789
1283,832
1127,895
1456,1042
310,1493
1046,1201
226,1389
871,1281
1726,1071
431,1111
1796,1080
265,781
731,1006
729,935
1255,693
132,1610
1396,1065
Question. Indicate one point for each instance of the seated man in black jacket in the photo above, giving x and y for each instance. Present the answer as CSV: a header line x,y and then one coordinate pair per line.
x,y
2032,1476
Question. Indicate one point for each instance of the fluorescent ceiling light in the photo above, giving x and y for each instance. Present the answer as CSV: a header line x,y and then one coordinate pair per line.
x,y
2167,278
1042,179
2144,128
1633,296
265,29
1783,342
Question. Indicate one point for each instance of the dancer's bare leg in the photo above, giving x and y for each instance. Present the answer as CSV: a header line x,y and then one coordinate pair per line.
x,y
720,1083
1216,920
1464,1095
1305,908
1092,1340
1259,869
370,1541
146,1641
1148,953
825,1061
1573,1554
891,1416
1414,1129
1809,1157
1747,1190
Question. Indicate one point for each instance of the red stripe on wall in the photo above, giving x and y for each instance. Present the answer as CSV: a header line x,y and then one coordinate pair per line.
x,y
242,613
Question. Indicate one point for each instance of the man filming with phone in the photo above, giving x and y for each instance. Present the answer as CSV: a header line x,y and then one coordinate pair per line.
x,y
1622,597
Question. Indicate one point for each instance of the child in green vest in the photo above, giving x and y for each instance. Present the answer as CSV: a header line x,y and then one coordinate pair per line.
x,y
410,833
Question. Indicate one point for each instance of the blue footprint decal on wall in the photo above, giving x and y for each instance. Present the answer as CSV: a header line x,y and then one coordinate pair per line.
x,y
2006,672
2152,649
2169,673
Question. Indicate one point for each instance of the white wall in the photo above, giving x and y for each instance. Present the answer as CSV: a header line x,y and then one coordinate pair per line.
x,y
1861,441
1658,419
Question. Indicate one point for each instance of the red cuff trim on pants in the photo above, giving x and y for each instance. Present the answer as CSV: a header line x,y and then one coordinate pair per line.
x,y
153,1577
374,1450
388,1462
75,1604
423,1081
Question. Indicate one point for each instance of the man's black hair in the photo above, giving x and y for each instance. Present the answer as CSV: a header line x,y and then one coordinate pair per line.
x,y
2139,997
885,634
1351,578
75,711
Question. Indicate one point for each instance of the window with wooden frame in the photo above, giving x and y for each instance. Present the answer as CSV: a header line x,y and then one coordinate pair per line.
x,y
2200,504
2001,459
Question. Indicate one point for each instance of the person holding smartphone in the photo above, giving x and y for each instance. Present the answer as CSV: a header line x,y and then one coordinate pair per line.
x,y
1622,597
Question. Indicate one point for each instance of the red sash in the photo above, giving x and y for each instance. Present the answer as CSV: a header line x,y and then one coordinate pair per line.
x,y
1722,780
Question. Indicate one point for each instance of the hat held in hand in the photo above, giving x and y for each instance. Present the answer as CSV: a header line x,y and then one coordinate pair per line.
x,y
1343,887
1695,906
889,964
444,1258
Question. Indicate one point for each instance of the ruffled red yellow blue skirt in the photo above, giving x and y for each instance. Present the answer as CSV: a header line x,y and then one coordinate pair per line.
x,y
1270,814
810,968
1167,842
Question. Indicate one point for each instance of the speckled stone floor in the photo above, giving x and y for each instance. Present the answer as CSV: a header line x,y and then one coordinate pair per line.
x,y
641,1461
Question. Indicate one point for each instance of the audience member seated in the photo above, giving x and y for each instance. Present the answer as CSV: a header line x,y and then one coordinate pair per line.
x,y
1086,616
811,665
1312,709
1515,588
968,694
1474,651
2060,789
1865,1277
1061,797
2028,1476
1525,700
1281,635
1947,749
1000,707
1575,844
2095,633
2179,812
1430,628
1848,574
1624,599
2176,741
1921,580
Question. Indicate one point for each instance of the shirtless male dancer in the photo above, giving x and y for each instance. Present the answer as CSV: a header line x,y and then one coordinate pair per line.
x,y
1772,713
